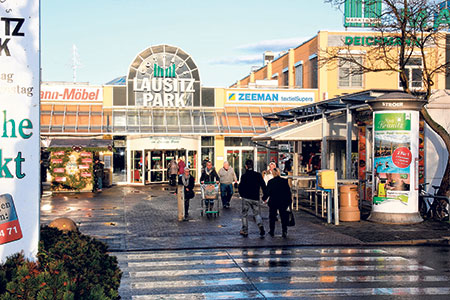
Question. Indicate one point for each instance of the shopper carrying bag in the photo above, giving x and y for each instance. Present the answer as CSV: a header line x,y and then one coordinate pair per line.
x,y
280,199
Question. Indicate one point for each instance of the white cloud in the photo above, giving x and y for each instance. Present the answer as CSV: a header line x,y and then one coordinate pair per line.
x,y
255,59
273,45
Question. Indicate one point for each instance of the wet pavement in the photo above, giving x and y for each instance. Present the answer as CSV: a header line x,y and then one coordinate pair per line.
x,y
207,258
145,218
287,273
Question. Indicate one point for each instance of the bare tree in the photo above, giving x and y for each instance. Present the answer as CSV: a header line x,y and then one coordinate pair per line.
x,y
405,30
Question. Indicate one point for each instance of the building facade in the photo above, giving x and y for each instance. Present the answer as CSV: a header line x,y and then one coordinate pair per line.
x,y
160,111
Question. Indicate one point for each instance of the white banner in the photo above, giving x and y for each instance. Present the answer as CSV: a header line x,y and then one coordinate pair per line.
x,y
71,93
19,130
269,97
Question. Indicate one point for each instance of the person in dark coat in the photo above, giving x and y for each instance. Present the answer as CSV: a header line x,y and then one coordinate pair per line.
x,y
280,199
188,182
209,174
249,189
98,175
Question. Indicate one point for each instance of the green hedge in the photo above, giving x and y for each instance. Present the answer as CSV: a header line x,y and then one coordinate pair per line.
x,y
70,266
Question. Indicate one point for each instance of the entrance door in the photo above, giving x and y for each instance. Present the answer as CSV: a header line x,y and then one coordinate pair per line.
x,y
245,155
137,167
238,157
233,160
156,171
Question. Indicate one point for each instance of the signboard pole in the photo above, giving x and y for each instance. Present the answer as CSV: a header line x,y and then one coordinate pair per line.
x,y
19,133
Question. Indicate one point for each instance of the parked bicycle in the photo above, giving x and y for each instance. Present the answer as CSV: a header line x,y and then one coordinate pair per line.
x,y
433,205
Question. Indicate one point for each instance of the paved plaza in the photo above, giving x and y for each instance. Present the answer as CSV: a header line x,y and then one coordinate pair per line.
x,y
130,218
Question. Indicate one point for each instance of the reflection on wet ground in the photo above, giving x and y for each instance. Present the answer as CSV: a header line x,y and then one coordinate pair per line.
x,y
287,273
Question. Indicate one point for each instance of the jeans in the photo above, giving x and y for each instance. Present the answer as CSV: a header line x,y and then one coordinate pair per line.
x,y
226,192
248,204
273,217
98,183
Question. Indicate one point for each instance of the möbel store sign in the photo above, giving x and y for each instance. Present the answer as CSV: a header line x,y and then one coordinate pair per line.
x,y
71,93
19,131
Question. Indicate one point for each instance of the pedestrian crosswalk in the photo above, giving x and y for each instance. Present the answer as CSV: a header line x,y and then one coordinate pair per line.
x,y
291,273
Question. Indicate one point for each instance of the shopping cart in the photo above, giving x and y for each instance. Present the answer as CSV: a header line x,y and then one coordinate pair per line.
x,y
210,199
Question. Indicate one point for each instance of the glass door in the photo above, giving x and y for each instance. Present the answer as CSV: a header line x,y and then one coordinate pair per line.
x,y
169,155
238,157
136,167
233,159
156,172
245,155
192,163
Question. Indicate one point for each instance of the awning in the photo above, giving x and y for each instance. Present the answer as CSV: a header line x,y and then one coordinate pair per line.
x,y
310,131
85,143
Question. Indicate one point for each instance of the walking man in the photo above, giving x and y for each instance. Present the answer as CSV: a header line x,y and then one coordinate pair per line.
x,y
249,190
98,175
227,178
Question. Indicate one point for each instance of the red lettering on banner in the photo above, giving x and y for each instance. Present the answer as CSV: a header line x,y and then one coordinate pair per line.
x,y
86,154
86,160
56,161
402,157
59,153
86,175
59,170
60,179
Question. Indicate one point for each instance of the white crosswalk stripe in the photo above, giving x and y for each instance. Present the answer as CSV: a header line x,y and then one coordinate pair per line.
x,y
277,274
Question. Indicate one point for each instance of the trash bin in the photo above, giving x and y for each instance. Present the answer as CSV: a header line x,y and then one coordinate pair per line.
x,y
348,200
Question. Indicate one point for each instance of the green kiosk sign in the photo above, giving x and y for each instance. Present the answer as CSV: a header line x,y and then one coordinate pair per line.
x,y
362,13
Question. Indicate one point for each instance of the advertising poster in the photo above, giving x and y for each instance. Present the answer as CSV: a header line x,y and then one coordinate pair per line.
x,y
421,152
19,130
392,157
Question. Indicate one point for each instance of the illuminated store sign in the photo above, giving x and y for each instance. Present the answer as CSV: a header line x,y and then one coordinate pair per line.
x,y
162,76
270,97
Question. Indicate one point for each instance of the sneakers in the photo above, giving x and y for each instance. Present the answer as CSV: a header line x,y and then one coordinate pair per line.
x,y
284,234
262,232
243,233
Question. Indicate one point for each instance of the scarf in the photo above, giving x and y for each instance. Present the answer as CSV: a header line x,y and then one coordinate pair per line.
x,y
185,179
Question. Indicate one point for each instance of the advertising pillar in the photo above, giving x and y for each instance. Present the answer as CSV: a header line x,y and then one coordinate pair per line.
x,y
19,128
396,156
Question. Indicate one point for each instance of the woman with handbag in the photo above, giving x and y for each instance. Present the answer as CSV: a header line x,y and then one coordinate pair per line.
x,y
280,200
188,183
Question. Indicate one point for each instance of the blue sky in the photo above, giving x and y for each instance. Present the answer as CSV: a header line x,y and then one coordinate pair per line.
x,y
225,38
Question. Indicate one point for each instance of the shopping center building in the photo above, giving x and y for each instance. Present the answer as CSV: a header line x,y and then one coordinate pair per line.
x,y
160,111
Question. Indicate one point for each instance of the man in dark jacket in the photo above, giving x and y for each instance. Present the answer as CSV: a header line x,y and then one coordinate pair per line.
x,y
280,198
98,175
249,190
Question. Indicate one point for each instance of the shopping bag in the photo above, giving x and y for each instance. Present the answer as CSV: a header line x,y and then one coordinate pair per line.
x,y
210,191
291,219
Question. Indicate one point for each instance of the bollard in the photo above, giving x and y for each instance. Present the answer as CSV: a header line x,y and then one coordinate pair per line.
x,y
63,224
180,198
349,210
